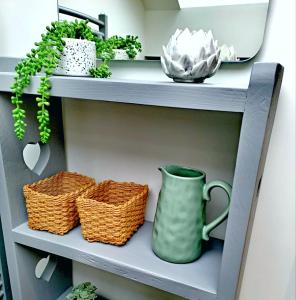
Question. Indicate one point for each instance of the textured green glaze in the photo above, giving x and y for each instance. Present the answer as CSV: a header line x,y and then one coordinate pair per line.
x,y
179,224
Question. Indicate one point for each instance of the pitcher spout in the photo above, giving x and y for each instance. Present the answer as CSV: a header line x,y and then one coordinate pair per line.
x,y
180,172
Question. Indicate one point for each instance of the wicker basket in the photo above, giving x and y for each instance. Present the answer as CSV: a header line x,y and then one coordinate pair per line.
x,y
112,211
51,202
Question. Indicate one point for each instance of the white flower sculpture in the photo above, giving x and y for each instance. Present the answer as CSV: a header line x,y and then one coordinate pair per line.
x,y
191,56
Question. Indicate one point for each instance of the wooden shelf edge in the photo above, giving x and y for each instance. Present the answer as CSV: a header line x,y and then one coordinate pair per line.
x,y
166,94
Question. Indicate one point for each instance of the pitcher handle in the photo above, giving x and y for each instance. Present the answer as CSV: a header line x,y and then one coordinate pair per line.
x,y
206,196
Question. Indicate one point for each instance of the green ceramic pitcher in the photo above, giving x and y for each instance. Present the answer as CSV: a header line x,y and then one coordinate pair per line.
x,y
179,223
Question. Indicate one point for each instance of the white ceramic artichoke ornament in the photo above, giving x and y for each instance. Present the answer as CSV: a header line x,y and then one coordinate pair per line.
x,y
191,56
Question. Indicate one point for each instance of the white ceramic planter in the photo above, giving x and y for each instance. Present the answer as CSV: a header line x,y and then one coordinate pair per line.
x,y
120,54
78,57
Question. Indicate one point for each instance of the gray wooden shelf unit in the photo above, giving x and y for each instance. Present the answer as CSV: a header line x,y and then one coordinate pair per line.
x,y
216,274
5,291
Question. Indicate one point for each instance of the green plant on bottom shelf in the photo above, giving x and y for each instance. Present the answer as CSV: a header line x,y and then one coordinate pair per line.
x,y
45,58
83,291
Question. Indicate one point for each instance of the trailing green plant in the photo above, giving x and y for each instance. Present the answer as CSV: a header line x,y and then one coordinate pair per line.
x,y
104,50
102,71
130,44
45,58
83,291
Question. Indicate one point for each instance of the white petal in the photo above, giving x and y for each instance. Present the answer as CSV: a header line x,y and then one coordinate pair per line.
x,y
173,67
211,61
210,35
186,62
216,44
176,69
175,53
232,53
215,65
167,59
199,38
212,48
200,54
163,64
177,33
165,50
184,42
215,70
171,45
218,53
210,44
200,69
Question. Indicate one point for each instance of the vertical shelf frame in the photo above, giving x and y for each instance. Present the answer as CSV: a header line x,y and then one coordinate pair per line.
x,y
258,115
14,173
262,98
5,290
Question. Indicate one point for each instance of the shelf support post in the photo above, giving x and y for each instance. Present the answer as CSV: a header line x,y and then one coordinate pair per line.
x,y
262,98
14,174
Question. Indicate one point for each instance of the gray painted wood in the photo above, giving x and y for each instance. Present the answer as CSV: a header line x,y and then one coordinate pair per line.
x,y
256,128
101,21
76,14
14,174
104,29
5,289
135,260
202,96
66,292
7,64
33,288
216,274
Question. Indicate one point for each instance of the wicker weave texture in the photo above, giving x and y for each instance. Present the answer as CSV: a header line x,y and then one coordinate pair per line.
x,y
112,211
51,202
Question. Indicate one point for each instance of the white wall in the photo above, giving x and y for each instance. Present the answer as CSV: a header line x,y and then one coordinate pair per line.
x,y
129,143
154,27
239,25
124,17
22,23
270,265
161,5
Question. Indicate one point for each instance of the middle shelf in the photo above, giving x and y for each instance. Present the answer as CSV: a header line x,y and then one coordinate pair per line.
x,y
135,260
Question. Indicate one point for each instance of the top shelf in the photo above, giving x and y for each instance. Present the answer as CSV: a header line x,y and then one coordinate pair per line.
x,y
166,94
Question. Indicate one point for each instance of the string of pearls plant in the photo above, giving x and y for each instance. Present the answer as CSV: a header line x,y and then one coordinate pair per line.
x,y
45,57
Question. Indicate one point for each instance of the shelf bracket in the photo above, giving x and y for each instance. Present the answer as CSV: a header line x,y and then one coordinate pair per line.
x,y
46,267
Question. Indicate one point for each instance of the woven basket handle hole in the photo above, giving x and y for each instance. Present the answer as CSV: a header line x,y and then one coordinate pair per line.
x,y
36,157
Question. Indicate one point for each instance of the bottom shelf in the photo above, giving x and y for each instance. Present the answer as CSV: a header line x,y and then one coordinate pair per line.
x,y
135,260
68,291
